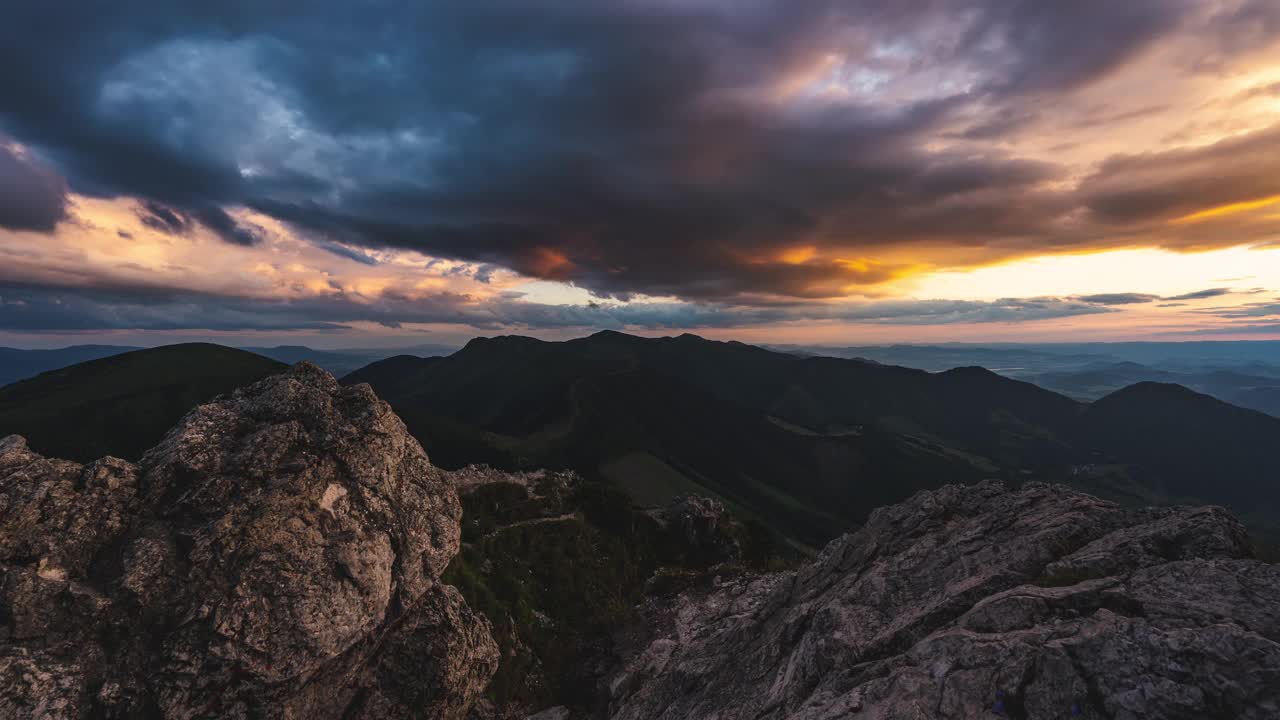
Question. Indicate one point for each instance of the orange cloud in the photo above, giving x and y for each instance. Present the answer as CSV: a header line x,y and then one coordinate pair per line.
x,y
798,255
1228,209
551,263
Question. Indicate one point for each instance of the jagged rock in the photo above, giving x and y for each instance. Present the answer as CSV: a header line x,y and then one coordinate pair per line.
x,y
439,658
978,601
276,555
698,526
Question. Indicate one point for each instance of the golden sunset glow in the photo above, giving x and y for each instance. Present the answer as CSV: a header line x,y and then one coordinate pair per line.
x,y
798,255
1230,209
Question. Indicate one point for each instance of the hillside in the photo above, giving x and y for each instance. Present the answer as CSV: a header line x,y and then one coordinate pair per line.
x,y
121,405
809,444
805,445
19,364
1199,447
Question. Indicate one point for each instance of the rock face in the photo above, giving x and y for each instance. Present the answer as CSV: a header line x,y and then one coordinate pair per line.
x,y
979,601
276,555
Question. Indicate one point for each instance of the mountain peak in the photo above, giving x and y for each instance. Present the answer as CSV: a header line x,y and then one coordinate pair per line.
x,y
1149,391
501,341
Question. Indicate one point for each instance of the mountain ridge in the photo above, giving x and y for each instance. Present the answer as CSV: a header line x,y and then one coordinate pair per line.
x,y
510,399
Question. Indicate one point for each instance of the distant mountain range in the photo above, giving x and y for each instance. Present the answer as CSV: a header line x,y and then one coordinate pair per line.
x,y
1245,373
806,445
18,364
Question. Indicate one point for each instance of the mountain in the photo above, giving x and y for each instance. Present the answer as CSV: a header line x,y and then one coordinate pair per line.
x,y
1095,380
16,364
121,405
810,444
342,361
338,363
288,550
806,444
1263,399
515,385
1198,446
1245,373
1258,389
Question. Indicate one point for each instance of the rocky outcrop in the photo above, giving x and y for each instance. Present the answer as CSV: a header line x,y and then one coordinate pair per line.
x,y
276,555
978,601
699,527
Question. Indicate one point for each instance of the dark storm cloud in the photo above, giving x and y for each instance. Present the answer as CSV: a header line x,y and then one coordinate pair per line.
x,y
164,219
32,196
347,252
228,228
627,147
173,221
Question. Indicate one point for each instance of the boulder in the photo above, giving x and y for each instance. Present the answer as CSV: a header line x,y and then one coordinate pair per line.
x,y
278,554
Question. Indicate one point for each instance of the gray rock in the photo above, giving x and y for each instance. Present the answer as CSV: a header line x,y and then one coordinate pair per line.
x,y
276,555
1041,602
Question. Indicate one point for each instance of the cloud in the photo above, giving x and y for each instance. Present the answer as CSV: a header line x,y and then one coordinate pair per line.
x,y
173,221
228,228
1187,186
32,195
163,219
34,308
1201,294
644,147
346,251
1252,310
1118,298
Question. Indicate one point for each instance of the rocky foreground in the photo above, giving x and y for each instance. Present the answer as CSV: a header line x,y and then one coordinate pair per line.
x,y
278,555
977,601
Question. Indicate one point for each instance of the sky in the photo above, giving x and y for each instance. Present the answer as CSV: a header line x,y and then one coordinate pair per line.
x,y
382,173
